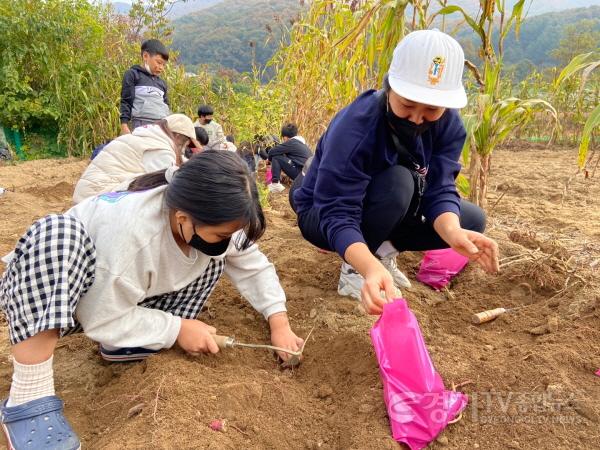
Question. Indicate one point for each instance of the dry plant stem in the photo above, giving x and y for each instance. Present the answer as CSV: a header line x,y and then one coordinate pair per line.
x,y
515,261
595,166
567,185
156,398
130,399
237,429
496,203
307,337
457,419
508,258
448,293
464,383
473,68
564,290
520,255
539,258
454,388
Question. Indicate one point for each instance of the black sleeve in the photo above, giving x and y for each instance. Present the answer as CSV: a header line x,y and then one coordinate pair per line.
x,y
263,154
278,150
127,95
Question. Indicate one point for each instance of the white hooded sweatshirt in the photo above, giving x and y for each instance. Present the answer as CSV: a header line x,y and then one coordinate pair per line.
x,y
145,150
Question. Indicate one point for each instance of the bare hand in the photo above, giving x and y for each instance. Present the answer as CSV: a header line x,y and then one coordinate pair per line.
x,y
196,337
283,336
125,129
286,339
476,247
377,280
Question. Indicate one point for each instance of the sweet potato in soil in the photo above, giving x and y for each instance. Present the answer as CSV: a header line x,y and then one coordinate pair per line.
x,y
531,373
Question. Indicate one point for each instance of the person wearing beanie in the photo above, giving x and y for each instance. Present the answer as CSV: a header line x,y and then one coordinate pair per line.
x,y
144,97
383,177
147,149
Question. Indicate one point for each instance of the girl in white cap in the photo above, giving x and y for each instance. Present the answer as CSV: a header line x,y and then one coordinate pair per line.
x,y
132,270
148,148
383,177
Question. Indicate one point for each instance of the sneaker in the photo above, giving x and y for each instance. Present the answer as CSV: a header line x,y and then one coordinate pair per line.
x,y
389,262
125,354
276,187
350,282
38,424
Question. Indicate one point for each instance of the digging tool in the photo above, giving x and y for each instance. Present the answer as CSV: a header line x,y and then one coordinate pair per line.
x,y
225,342
491,314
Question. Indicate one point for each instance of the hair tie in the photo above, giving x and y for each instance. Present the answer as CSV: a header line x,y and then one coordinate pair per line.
x,y
170,172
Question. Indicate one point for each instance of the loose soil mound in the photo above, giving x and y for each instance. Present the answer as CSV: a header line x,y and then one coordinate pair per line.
x,y
529,374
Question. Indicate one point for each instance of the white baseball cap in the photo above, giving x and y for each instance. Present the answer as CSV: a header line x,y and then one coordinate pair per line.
x,y
427,67
182,124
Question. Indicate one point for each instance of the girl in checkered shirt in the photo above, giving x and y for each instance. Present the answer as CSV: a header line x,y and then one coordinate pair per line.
x,y
132,270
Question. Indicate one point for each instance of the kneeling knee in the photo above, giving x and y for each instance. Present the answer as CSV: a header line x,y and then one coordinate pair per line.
x,y
473,218
396,186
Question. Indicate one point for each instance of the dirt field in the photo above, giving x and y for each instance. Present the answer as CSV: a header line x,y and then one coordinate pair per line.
x,y
530,373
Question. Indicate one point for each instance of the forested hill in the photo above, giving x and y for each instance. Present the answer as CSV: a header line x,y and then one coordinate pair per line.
x,y
540,35
532,7
221,35
232,33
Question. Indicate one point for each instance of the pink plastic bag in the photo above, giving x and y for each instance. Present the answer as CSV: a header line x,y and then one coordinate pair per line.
x,y
438,267
418,406
268,176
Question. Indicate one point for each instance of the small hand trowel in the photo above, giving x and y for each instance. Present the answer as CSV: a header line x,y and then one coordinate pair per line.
x,y
225,342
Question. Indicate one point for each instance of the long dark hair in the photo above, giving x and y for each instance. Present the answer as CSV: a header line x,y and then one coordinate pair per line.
x,y
164,125
213,187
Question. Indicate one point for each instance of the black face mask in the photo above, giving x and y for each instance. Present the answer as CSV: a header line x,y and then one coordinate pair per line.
x,y
208,248
207,121
404,127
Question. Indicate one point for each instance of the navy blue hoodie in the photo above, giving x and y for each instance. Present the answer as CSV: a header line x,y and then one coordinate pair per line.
x,y
356,147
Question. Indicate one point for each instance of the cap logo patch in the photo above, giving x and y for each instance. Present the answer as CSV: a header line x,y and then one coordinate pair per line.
x,y
436,69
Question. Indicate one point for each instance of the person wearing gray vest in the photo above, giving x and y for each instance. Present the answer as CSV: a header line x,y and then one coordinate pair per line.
x,y
144,97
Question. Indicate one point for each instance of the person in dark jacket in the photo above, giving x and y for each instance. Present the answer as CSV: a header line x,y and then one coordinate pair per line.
x,y
246,152
144,97
288,156
383,177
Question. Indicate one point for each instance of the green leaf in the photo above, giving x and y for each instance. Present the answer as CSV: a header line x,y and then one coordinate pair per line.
x,y
592,122
462,184
472,23
578,63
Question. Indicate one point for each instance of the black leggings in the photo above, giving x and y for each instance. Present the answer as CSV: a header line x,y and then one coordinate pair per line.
x,y
281,163
388,214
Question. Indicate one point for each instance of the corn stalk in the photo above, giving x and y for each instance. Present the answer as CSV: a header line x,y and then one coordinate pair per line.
x,y
495,118
494,121
583,64
336,50
591,124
